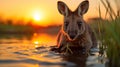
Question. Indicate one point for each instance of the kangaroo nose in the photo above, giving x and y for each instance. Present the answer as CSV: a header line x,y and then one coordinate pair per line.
x,y
72,34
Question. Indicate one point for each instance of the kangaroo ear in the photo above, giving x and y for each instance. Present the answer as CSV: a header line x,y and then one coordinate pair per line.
x,y
62,8
82,8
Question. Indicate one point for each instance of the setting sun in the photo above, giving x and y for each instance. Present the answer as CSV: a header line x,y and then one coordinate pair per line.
x,y
37,16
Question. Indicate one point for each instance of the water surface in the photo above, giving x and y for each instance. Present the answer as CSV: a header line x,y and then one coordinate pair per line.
x,y
18,50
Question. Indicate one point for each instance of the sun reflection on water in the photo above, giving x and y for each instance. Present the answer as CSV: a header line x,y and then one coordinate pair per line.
x,y
24,45
36,43
43,39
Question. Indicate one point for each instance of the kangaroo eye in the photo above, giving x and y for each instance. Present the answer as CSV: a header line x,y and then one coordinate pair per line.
x,y
66,23
79,23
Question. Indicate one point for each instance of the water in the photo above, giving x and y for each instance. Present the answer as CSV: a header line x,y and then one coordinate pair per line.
x,y
33,51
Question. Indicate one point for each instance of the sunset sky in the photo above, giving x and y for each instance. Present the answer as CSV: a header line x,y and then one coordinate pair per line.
x,y
43,12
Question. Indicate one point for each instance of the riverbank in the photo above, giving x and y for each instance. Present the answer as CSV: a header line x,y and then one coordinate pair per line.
x,y
15,29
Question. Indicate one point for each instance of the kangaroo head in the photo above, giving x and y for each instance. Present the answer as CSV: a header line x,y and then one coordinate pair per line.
x,y
74,24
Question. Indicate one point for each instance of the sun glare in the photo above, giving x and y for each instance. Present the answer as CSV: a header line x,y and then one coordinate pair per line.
x,y
37,16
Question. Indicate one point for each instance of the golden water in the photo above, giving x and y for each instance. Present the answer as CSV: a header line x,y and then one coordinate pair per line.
x,y
20,51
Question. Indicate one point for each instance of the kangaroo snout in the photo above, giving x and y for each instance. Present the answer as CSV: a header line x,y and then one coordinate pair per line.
x,y
72,33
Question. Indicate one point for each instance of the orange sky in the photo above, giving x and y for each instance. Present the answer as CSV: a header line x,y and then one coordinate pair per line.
x,y
47,9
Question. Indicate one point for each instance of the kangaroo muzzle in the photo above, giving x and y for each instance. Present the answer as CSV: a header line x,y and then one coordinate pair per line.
x,y
72,34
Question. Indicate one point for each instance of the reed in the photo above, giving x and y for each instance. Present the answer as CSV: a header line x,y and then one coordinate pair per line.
x,y
108,33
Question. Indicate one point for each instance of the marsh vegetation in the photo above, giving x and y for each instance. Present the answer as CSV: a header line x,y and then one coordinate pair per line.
x,y
108,33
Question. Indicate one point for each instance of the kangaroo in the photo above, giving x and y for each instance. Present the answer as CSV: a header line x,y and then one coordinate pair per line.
x,y
75,30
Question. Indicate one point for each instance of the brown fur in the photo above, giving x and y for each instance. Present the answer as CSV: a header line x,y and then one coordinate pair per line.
x,y
74,29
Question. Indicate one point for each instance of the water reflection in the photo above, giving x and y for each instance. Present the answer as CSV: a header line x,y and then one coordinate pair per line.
x,y
33,51
23,44
78,60
43,39
37,39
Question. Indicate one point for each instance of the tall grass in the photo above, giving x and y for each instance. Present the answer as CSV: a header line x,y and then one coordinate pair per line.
x,y
111,41
109,33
